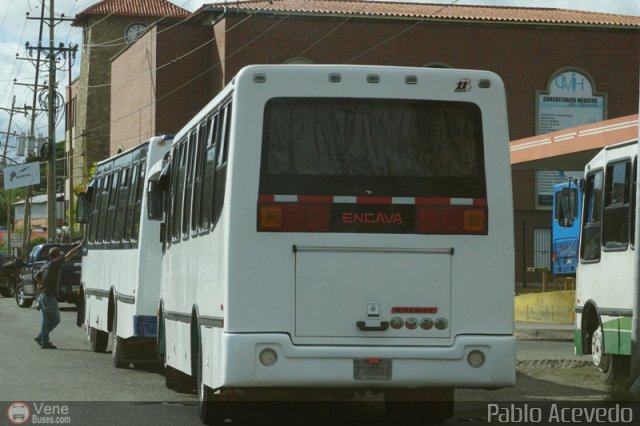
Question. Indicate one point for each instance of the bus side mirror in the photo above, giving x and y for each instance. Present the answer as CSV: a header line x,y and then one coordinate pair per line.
x,y
155,201
83,208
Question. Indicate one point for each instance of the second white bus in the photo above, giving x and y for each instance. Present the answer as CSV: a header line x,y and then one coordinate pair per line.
x,y
122,250
606,272
338,229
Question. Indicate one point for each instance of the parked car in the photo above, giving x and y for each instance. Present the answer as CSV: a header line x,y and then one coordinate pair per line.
x,y
9,274
27,289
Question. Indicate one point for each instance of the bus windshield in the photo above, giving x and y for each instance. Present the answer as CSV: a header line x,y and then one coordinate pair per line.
x,y
343,146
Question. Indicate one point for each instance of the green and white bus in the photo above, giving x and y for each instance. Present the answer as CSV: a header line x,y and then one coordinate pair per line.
x,y
604,281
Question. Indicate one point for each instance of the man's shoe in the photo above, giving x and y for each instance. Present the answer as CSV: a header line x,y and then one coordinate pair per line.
x,y
38,340
49,345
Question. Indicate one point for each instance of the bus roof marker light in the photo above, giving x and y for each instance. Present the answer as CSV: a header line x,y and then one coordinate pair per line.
x,y
373,78
411,79
259,78
484,83
335,77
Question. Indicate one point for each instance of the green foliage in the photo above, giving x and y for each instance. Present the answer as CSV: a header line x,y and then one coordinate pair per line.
x,y
38,240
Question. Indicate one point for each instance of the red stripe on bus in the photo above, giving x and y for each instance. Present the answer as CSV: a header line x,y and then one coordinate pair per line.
x,y
266,198
373,200
423,201
320,199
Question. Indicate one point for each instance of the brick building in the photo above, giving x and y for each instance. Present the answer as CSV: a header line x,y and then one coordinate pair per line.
x,y
108,27
177,70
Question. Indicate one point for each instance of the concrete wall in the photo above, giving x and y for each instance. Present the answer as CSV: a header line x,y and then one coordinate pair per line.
x,y
549,307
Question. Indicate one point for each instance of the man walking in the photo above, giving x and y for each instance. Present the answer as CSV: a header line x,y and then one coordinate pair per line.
x,y
49,280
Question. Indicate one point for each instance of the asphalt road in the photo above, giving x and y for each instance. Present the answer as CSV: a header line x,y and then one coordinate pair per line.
x,y
83,388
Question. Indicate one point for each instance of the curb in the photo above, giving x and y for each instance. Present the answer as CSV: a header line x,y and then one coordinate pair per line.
x,y
544,332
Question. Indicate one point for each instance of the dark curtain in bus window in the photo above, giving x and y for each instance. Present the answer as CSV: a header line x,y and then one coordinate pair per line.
x,y
374,138
615,219
137,208
95,210
118,232
590,238
566,207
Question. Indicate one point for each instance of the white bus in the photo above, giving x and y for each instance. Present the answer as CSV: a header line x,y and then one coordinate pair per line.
x,y
121,263
605,273
341,228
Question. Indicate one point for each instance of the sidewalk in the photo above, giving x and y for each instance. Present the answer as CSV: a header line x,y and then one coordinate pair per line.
x,y
543,331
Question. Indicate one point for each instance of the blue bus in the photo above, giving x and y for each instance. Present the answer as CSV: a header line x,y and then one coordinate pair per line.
x,y
567,203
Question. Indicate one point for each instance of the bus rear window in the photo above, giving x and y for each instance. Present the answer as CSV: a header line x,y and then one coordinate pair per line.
x,y
374,147
371,165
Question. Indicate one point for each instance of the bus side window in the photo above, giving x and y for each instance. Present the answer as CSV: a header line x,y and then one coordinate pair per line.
x,y
590,238
209,174
137,205
121,205
129,219
189,152
203,135
93,218
221,164
102,209
177,190
111,207
615,219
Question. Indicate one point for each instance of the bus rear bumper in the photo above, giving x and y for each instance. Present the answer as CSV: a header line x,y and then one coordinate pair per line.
x,y
367,366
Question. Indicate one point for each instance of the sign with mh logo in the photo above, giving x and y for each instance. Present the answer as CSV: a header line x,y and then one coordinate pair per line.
x,y
569,101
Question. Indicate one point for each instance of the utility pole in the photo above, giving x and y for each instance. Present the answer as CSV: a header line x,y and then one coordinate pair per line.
x,y
52,53
52,191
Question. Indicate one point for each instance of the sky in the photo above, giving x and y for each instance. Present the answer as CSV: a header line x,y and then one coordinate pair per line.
x,y
16,30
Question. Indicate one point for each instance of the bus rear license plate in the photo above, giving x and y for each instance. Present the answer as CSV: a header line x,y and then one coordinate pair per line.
x,y
365,369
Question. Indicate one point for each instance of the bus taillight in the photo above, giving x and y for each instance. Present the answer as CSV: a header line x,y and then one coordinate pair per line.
x,y
451,220
294,217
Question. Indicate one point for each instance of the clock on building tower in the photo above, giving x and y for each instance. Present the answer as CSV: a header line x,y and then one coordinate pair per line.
x,y
133,31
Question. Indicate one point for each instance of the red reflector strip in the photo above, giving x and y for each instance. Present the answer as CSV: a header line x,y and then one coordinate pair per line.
x,y
374,200
374,360
422,201
317,199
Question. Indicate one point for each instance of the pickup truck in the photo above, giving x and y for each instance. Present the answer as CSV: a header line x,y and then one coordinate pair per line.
x,y
26,290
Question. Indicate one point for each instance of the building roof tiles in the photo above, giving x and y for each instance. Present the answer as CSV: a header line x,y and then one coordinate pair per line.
x,y
430,11
133,8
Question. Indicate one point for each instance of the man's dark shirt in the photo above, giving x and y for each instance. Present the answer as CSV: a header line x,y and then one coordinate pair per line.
x,y
52,274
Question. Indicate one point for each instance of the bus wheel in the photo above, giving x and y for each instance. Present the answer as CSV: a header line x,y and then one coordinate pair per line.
x,y
178,381
98,340
424,406
210,408
117,347
613,367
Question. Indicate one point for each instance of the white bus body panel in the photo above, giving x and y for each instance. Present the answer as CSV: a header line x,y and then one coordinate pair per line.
x,y
306,304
